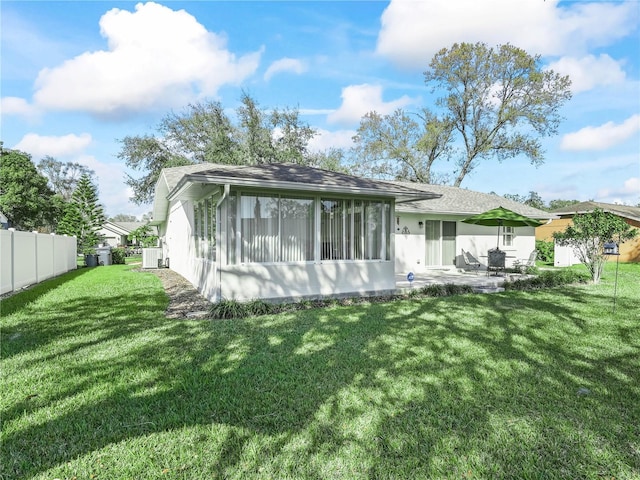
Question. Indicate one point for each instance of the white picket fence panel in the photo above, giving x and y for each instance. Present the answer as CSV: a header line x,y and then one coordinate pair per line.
x,y
29,257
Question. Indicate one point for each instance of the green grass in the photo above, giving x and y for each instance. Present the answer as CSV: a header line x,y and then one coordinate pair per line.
x,y
97,383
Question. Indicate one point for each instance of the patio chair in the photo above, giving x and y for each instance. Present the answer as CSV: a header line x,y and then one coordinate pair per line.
x,y
470,261
522,265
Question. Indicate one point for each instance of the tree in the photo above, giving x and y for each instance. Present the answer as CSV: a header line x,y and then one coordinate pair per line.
x,y
123,217
84,216
500,102
398,147
25,199
557,204
533,200
63,177
143,235
204,133
589,233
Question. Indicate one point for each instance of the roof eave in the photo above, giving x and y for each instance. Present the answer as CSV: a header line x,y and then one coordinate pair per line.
x,y
190,179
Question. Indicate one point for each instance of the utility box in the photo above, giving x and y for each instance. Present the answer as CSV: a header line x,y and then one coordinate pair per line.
x,y
151,257
104,255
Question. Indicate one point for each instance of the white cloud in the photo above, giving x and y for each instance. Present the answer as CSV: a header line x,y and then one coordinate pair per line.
x,y
413,31
601,137
19,107
325,140
64,146
285,65
156,57
358,100
590,71
628,193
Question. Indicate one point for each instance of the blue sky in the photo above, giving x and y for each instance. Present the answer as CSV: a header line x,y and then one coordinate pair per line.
x,y
78,76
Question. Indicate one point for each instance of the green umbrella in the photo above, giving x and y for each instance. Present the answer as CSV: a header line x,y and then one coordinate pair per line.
x,y
502,217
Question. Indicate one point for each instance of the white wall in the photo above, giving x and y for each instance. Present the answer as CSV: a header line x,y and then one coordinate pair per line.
x,y
250,281
27,258
179,247
476,239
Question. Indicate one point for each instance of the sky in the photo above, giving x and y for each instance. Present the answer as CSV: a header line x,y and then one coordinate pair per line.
x,y
77,77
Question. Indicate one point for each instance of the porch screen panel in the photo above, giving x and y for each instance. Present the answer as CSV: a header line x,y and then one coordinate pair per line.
x,y
358,230
332,229
232,229
432,240
260,228
297,229
210,207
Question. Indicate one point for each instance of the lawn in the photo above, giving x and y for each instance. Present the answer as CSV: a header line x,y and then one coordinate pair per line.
x,y
97,383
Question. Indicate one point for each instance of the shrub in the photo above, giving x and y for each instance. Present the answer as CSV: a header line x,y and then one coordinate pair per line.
x,y
545,251
228,309
548,279
435,290
260,307
118,256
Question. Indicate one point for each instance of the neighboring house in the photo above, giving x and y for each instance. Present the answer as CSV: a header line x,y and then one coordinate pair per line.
x,y
564,256
430,234
116,234
4,222
278,230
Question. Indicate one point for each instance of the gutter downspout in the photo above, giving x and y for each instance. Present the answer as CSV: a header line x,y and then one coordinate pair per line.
x,y
225,194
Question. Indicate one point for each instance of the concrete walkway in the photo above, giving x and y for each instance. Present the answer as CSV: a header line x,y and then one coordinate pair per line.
x,y
480,282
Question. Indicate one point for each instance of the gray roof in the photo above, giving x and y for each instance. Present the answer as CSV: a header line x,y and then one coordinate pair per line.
x,y
625,211
172,175
297,176
129,226
459,201
175,181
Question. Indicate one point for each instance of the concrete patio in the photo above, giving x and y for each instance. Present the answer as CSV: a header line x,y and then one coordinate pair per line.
x,y
480,281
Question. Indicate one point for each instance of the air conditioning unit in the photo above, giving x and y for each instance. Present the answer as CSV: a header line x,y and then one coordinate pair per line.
x,y
151,257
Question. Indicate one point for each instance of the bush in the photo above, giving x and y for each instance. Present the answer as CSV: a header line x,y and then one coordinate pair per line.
x,y
548,279
446,290
228,309
118,256
545,251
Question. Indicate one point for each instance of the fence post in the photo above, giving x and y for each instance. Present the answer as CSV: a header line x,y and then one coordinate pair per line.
x,y
13,259
35,254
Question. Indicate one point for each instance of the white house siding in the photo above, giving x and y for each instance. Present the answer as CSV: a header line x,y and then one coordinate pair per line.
x,y
411,247
179,248
249,281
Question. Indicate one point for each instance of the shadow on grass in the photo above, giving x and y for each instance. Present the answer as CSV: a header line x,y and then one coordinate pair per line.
x,y
429,388
21,299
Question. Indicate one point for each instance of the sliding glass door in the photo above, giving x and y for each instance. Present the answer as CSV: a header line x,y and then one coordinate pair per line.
x,y
440,242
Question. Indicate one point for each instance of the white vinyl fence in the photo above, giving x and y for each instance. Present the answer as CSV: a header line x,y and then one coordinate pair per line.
x,y
28,257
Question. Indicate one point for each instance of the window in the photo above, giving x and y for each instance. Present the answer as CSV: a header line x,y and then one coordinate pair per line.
x,y
264,228
507,236
204,228
297,229
354,230
273,229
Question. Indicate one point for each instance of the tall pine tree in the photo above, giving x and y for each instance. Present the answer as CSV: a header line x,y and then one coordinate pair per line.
x,y
84,216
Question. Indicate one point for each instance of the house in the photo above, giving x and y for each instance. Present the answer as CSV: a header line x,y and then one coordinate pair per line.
x,y
116,234
4,221
430,233
276,231
564,256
